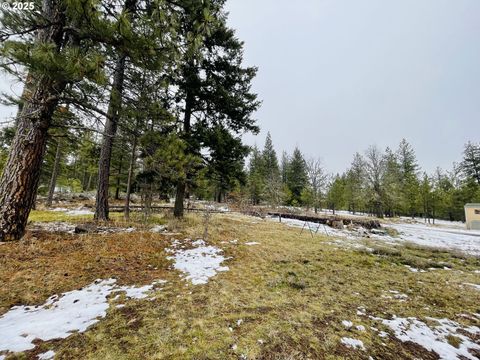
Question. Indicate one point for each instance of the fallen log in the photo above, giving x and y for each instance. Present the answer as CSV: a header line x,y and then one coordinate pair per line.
x,y
119,208
331,220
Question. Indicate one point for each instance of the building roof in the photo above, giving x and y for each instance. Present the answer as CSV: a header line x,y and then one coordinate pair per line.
x,y
472,205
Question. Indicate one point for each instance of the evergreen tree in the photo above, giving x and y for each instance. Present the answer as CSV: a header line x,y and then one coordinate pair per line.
x,y
42,43
86,155
335,193
470,165
225,162
212,87
297,177
121,54
140,114
165,161
270,161
467,192
426,197
271,174
284,167
408,177
355,184
391,183
256,182
439,194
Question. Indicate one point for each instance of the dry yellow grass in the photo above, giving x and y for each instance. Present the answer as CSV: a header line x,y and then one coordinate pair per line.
x,y
291,293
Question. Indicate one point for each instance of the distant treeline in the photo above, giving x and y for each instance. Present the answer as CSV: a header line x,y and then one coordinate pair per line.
x,y
379,182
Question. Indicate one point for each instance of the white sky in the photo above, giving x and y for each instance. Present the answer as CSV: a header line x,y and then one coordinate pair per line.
x,y
7,86
338,75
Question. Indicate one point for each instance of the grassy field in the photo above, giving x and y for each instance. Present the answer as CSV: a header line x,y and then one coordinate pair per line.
x,y
284,298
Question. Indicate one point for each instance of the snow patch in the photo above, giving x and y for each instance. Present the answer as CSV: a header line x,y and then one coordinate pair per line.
x,y
361,311
74,212
448,236
467,241
352,343
80,211
219,208
415,270
435,338
46,355
61,315
473,285
200,263
250,243
347,324
158,228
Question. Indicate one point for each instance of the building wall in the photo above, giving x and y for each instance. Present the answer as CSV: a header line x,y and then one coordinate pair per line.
x,y
472,217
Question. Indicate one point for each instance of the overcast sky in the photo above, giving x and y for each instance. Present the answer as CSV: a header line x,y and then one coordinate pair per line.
x,y
338,75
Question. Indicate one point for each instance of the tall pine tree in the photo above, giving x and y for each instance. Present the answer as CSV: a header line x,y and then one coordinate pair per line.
x,y
53,46
471,161
297,177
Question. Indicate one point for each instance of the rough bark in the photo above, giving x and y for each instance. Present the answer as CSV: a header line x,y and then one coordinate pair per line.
x,y
111,124
119,173
19,181
179,198
89,184
182,184
130,178
55,170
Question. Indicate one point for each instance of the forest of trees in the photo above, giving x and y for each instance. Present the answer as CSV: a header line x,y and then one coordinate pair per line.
x,y
151,97
382,183
120,97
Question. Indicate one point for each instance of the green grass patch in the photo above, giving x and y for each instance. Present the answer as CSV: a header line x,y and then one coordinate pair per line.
x,y
285,298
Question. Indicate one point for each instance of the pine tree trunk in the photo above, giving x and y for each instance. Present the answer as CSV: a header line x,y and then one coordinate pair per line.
x,y
130,178
19,181
117,190
84,180
181,186
179,197
111,123
90,179
53,179
148,202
